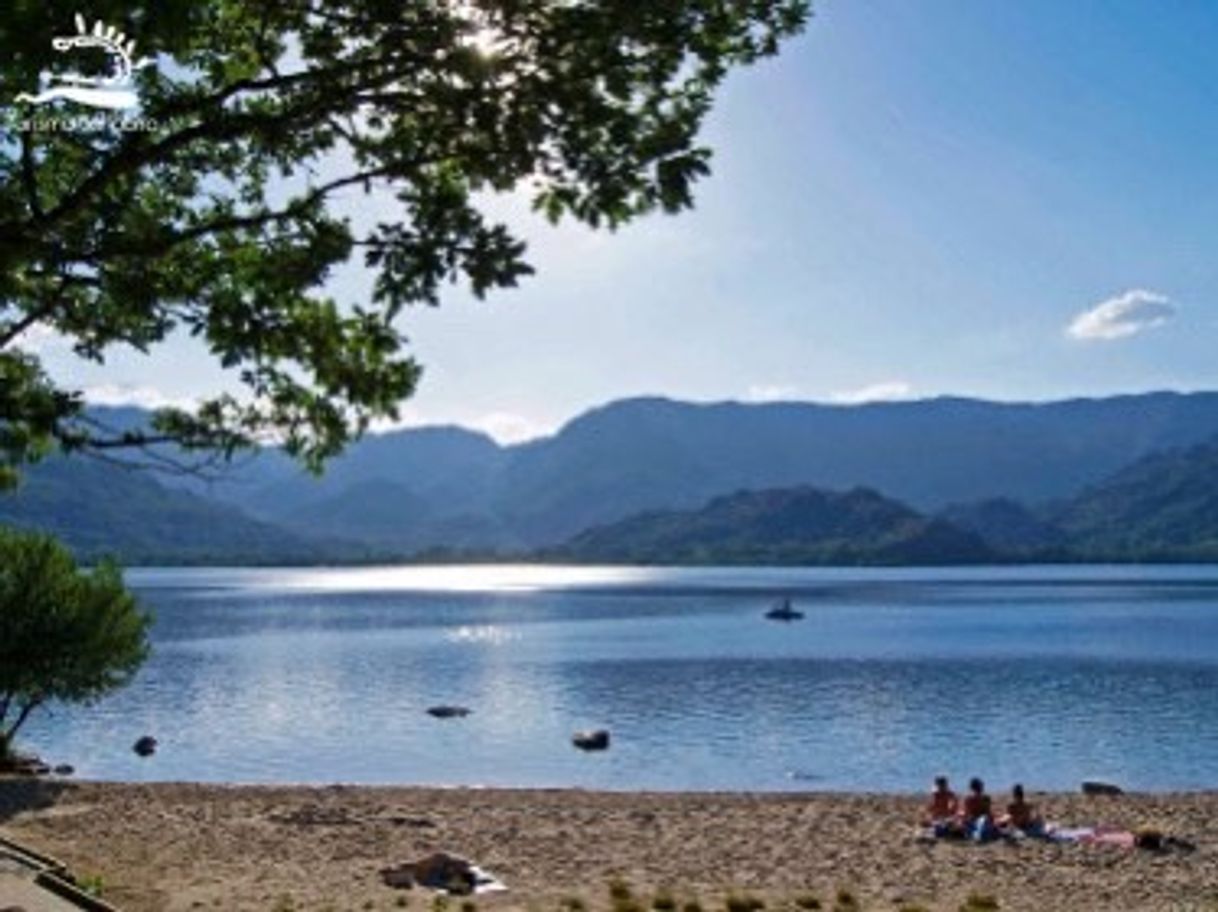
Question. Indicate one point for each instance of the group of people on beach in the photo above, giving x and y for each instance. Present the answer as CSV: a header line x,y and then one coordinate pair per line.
x,y
973,818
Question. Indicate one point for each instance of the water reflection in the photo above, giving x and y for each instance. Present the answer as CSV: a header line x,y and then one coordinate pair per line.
x,y
322,676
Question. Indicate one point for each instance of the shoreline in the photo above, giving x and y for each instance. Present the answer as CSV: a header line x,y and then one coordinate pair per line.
x,y
163,847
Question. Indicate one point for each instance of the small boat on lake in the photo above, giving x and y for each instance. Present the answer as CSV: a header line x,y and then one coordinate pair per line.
x,y
784,612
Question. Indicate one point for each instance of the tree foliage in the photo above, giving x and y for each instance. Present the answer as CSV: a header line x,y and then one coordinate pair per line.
x,y
221,219
65,634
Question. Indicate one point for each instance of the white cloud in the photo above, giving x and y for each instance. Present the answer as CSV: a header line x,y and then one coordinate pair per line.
x,y
507,427
764,392
125,394
1124,315
504,427
888,391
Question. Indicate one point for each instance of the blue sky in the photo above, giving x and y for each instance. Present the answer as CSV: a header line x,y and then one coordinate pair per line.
x,y
916,198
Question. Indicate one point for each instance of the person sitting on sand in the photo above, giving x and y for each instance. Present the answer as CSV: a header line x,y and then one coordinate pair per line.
x,y
943,806
977,813
1021,816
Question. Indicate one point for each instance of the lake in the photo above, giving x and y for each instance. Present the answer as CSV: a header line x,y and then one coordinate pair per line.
x,y
1045,675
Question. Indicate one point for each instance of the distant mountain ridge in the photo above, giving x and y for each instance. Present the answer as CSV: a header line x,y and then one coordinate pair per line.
x,y
449,488
102,510
788,526
1163,507
647,454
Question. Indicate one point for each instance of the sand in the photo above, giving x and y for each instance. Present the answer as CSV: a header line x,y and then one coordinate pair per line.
x,y
178,846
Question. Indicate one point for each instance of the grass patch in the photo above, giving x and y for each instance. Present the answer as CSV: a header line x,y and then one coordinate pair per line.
x,y
692,906
845,901
980,902
620,891
92,884
664,901
808,901
572,904
743,902
621,897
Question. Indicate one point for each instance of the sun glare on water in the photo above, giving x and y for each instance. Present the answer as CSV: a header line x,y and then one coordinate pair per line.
x,y
521,578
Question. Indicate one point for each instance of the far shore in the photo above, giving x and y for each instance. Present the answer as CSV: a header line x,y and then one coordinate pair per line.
x,y
177,846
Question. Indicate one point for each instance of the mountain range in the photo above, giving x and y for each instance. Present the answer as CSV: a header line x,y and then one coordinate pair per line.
x,y
1029,480
785,526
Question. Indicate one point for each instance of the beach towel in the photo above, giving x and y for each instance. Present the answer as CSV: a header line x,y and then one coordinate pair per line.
x,y
1099,835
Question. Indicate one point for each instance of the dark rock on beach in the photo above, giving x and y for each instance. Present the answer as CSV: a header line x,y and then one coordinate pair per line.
x,y
24,765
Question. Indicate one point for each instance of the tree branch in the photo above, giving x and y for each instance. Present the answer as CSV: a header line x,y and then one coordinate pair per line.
x,y
12,330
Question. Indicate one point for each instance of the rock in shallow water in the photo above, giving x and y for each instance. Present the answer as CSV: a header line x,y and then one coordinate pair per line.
x,y
449,712
597,739
145,746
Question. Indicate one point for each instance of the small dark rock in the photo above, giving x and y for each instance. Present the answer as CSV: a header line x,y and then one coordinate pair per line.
x,y
145,746
595,740
64,769
1095,787
418,823
449,712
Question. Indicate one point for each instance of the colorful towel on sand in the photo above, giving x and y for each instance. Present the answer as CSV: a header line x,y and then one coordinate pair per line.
x,y
1097,835
1111,836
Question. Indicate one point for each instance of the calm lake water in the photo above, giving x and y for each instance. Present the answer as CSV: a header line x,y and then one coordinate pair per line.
x,y
1045,675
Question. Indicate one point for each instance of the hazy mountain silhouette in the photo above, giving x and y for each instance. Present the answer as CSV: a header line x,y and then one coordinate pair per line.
x,y
421,488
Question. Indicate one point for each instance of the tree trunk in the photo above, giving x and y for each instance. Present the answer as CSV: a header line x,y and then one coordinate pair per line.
x,y
7,736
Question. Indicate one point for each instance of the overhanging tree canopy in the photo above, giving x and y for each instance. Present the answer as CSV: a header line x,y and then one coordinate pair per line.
x,y
220,221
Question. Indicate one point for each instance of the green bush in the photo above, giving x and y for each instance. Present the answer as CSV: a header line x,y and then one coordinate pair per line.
x,y
66,635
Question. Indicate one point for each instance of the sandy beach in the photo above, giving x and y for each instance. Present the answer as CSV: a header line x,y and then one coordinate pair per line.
x,y
180,846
